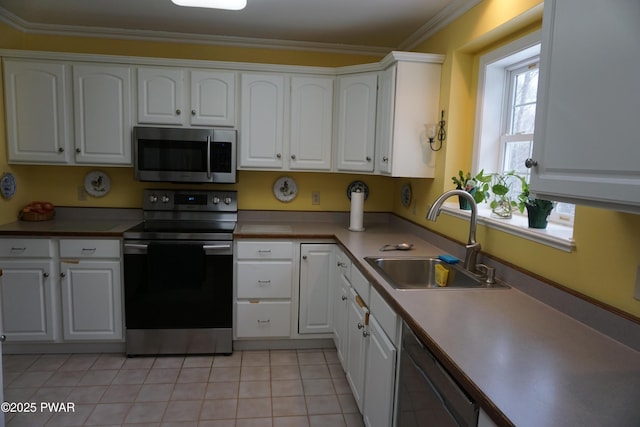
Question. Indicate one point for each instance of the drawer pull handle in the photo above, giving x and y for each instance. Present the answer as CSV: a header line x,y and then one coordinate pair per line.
x,y
366,333
264,282
264,251
88,249
18,249
262,322
360,325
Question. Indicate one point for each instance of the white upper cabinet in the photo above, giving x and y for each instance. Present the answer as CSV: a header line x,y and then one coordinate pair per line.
x,y
102,113
162,98
586,138
356,122
408,96
262,99
311,123
38,111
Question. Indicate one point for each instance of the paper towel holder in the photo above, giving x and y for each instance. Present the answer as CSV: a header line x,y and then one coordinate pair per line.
x,y
358,185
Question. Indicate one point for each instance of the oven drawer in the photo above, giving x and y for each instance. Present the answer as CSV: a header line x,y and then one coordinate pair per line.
x,y
86,248
264,279
263,319
265,250
26,248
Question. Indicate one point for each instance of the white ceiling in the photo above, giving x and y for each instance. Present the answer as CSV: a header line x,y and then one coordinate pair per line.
x,y
364,26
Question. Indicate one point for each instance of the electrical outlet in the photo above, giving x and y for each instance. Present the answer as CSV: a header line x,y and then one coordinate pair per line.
x,y
315,197
82,193
636,292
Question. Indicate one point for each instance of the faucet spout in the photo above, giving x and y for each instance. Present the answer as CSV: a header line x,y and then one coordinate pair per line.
x,y
472,247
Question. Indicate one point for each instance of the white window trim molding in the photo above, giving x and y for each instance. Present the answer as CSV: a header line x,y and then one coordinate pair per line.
x,y
557,236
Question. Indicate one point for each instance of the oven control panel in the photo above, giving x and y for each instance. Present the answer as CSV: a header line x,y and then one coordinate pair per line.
x,y
190,200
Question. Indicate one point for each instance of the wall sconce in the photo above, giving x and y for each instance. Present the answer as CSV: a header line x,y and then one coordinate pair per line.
x,y
436,130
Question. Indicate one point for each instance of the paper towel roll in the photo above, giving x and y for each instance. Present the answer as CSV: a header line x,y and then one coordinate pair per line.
x,y
357,211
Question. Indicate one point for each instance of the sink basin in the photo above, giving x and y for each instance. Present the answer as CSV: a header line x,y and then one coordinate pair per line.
x,y
408,273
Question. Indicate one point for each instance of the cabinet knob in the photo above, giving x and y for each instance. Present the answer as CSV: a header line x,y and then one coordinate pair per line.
x,y
304,257
61,150
78,150
343,298
360,325
530,163
368,158
45,275
3,338
193,112
293,157
366,333
385,159
63,274
279,156
178,112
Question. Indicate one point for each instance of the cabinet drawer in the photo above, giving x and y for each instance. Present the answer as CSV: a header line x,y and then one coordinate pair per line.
x,y
264,279
85,248
263,319
360,284
386,316
26,248
265,250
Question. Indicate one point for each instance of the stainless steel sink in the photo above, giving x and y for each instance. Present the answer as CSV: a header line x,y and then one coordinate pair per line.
x,y
407,273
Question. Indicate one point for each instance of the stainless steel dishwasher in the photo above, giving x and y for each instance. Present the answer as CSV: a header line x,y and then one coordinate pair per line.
x,y
427,394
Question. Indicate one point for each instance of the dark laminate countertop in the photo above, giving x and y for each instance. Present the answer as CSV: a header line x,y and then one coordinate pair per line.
x,y
525,362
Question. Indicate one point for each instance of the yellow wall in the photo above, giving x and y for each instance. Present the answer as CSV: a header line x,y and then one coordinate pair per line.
x,y
608,254
605,239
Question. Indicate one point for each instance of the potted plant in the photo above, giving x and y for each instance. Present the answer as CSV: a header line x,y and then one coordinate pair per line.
x,y
502,204
538,210
476,185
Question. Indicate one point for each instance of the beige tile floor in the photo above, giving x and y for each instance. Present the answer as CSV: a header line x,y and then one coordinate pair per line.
x,y
298,388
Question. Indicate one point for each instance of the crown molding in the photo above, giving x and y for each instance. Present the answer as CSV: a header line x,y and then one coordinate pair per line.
x,y
446,16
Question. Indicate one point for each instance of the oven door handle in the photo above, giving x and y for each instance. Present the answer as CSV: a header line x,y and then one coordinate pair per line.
x,y
208,157
205,247
135,245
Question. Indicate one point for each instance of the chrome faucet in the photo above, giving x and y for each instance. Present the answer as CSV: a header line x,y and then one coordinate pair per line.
x,y
472,247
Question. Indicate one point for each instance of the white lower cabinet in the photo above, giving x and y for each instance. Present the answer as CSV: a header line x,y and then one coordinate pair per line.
x,y
91,300
263,319
357,329
264,282
26,300
59,290
316,297
380,378
341,287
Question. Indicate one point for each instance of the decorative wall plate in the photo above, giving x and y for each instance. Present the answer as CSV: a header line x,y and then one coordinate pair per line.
x,y
97,183
285,189
8,185
358,185
405,195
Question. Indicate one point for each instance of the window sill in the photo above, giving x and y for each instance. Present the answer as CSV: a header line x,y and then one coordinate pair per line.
x,y
555,235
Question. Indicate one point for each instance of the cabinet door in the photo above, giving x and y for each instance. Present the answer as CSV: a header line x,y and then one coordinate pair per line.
x,y
384,121
311,123
316,296
213,98
91,300
261,121
380,375
585,141
38,109
357,347
341,317
26,297
356,122
161,96
102,107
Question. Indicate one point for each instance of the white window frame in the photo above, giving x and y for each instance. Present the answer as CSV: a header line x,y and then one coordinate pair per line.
x,y
493,82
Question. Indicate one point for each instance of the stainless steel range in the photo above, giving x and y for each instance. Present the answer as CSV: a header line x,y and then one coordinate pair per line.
x,y
178,273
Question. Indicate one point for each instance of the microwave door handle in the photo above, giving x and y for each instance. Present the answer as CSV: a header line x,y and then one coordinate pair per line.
x,y
208,156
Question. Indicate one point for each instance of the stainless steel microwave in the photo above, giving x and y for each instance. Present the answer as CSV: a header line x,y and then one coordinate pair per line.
x,y
184,155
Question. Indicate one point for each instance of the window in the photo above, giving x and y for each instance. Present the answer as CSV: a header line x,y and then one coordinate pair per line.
x,y
508,84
